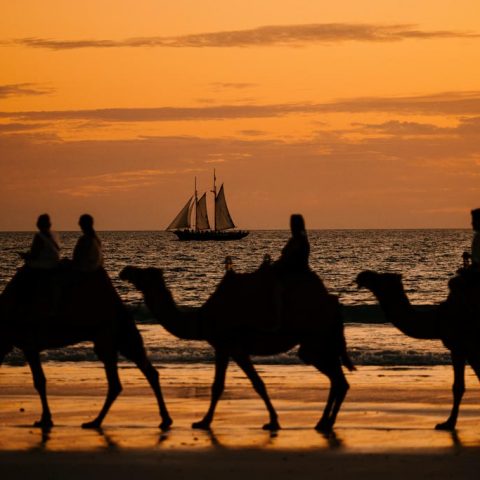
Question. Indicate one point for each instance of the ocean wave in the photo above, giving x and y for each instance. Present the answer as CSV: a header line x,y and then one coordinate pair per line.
x,y
85,353
366,314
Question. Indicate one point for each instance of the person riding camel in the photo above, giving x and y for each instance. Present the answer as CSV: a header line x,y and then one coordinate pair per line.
x,y
295,254
87,254
291,272
44,252
38,277
474,256
465,285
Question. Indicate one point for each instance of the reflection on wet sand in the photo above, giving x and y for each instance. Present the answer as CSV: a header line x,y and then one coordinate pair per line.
x,y
348,440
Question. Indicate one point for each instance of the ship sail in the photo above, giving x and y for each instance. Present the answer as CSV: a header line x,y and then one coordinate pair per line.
x,y
201,217
182,220
223,220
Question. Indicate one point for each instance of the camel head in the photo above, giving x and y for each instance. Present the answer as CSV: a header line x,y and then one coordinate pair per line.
x,y
379,283
143,278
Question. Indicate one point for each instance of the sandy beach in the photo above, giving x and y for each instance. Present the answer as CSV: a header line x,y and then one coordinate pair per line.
x,y
385,426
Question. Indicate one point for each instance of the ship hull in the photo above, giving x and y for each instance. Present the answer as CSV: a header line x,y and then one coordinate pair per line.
x,y
212,235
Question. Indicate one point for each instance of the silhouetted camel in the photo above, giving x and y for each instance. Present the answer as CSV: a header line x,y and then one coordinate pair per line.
x,y
219,322
446,322
88,311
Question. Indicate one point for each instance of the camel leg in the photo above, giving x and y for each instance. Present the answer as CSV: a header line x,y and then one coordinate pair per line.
x,y
131,346
221,365
248,368
40,383
458,361
338,390
114,389
153,378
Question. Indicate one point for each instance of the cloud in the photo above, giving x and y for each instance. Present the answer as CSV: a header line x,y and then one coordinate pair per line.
x,y
7,128
466,126
113,183
270,35
252,132
20,89
232,85
446,103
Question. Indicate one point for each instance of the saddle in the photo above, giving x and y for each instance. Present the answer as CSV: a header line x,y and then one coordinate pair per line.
x,y
270,300
52,295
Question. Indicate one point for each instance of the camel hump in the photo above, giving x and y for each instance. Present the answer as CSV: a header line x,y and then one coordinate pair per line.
x,y
269,300
35,295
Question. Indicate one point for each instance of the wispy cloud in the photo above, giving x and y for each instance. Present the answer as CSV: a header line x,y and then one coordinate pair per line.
x,y
19,89
7,128
466,126
270,35
252,133
111,183
447,103
232,85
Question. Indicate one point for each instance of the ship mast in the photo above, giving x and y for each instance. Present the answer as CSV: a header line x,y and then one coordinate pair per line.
x,y
214,191
195,202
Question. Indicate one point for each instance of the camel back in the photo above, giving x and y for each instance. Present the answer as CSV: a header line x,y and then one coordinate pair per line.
x,y
61,296
266,300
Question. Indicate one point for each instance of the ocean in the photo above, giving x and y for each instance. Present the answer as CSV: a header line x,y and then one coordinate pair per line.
x,y
426,258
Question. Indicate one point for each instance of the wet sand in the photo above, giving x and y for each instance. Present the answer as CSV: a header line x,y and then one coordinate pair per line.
x,y
384,428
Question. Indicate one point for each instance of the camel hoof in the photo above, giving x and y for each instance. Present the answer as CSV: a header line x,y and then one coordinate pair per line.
x,y
91,425
272,426
44,423
166,424
201,425
324,426
445,426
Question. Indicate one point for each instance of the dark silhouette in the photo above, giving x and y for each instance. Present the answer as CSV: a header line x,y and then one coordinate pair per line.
x,y
456,322
295,253
232,321
89,311
44,252
472,259
87,254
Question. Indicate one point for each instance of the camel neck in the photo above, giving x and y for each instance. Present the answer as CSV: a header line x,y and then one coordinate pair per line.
x,y
412,322
163,307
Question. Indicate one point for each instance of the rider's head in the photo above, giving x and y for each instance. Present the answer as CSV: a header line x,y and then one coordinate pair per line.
x,y
86,223
43,222
297,224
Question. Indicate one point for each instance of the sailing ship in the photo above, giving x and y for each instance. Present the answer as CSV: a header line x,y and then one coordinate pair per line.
x,y
223,225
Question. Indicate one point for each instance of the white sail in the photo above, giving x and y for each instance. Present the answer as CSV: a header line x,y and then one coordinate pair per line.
x,y
182,220
201,217
223,220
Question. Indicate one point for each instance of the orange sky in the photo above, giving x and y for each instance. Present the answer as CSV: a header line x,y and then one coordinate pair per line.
x,y
356,114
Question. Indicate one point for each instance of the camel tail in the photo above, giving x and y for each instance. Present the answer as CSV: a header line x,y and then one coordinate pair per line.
x,y
347,361
342,342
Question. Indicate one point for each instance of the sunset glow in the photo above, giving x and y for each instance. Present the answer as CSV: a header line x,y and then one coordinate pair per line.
x,y
356,114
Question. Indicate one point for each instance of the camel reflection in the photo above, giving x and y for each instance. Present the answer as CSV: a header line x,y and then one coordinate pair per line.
x,y
44,439
110,443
